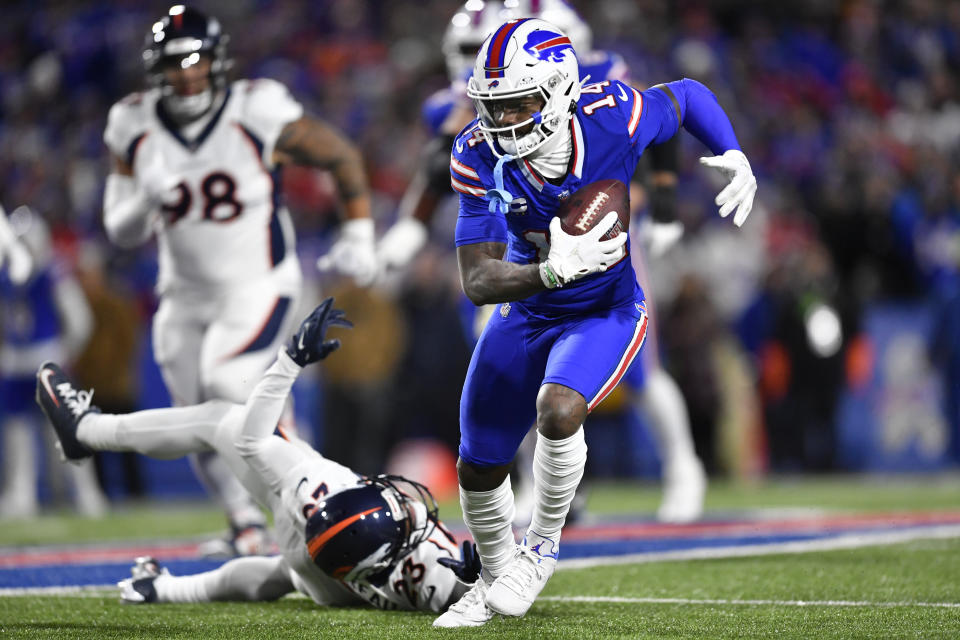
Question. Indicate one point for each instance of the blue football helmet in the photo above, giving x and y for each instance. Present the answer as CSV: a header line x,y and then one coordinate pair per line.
x,y
364,531
180,38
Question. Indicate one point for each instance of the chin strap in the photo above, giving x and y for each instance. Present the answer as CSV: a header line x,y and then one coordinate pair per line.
x,y
499,197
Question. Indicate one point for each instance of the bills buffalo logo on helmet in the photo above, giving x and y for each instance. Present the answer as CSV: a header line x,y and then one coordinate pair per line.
x,y
547,45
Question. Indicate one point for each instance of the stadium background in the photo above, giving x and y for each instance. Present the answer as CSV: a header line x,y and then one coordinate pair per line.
x,y
848,112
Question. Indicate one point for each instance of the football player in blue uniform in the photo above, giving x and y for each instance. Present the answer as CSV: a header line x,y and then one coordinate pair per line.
x,y
571,317
445,113
43,314
650,389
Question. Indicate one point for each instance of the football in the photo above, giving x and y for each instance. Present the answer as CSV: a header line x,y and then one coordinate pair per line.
x,y
588,205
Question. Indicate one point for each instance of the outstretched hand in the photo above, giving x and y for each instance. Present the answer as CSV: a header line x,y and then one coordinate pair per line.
x,y
309,343
468,567
354,253
739,193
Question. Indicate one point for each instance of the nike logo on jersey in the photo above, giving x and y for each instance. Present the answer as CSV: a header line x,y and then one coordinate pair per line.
x,y
623,94
300,343
45,380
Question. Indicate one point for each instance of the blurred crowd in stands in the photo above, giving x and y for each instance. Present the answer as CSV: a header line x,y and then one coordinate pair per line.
x,y
849,112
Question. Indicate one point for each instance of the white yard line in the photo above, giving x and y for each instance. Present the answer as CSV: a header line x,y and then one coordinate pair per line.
x,y
87,591
844,541
775,603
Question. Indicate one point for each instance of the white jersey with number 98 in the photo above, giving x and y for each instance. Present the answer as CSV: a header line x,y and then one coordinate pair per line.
x,y
223,224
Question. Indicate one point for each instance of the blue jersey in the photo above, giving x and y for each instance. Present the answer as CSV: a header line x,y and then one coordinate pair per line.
x,y
437,107
29,313
612,125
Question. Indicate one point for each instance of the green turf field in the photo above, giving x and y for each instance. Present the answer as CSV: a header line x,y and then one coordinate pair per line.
x,y
908,590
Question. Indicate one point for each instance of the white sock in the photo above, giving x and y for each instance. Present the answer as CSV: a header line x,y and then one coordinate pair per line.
x,y
557,470
663,403
158,433
489,517
20,465
242,579
185,588
99,431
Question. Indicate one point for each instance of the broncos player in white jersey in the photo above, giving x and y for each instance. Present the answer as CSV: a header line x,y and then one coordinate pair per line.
x,y
196,162
344,539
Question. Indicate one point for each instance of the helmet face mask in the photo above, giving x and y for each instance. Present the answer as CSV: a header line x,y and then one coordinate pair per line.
x,y
363,532
522,58
180,41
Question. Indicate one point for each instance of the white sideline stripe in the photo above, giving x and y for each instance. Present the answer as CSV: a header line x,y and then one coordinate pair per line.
x,y
850,541
776,603
86,591
846,541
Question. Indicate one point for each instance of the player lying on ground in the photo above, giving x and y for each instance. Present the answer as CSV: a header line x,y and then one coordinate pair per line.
x,y
196,161
344,539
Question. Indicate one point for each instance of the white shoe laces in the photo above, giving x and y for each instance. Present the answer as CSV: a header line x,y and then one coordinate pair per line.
x,y
524,573
472,599
77,401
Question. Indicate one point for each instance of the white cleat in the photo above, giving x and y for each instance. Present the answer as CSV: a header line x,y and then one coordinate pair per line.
x,y
684,488
469,611
513,592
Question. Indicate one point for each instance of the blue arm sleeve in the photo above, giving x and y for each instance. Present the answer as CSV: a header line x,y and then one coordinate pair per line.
x,y
476,223
701,114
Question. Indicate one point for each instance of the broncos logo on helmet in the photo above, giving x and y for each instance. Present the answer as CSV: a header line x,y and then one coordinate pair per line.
x,y
364,531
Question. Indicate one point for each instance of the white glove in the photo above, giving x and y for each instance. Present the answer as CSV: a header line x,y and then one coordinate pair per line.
x,y
573,257
658,237
401,243
154,178
13,251
20,265
353,254
743,185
